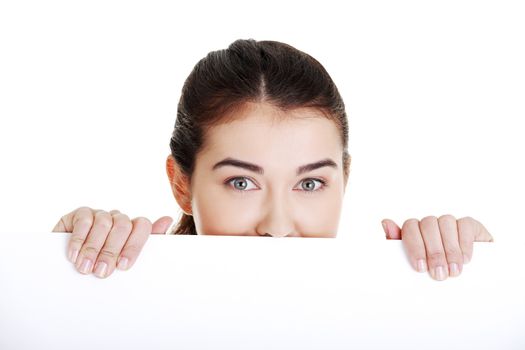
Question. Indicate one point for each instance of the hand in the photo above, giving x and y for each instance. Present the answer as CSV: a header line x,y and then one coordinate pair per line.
x,y
103,239
441,245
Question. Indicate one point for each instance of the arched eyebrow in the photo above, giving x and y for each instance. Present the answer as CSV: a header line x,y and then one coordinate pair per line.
x,y
259,170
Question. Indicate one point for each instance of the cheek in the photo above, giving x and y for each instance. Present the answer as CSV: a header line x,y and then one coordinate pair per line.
x,y
216,212
320,218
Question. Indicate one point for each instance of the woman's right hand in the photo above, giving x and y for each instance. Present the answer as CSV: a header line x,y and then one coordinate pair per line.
x,y
106,240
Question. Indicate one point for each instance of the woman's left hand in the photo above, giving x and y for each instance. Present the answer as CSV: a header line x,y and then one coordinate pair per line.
x,y
441,245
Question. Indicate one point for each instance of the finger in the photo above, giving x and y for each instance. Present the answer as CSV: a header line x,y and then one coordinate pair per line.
x,y
161,225
78,222
449,236
114,211
437,261
470,231
392,231
414,245
138,237
102,224
466,236
65,224
60,226
115,241
482,235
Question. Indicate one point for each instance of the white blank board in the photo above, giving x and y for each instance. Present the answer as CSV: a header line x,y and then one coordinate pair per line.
x,y
222,292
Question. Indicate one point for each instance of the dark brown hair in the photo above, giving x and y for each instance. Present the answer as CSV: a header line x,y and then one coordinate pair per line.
x,y
249,71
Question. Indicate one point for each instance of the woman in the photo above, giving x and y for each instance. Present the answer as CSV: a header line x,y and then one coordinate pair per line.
x,y
260,147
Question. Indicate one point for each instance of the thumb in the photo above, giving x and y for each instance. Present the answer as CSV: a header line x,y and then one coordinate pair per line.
x,y
482,235
391,229
161,225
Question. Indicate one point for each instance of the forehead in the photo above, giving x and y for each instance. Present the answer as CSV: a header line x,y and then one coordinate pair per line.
x,y
261,130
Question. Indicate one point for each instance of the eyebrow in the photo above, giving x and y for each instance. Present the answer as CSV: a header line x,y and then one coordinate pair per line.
x,y
259,170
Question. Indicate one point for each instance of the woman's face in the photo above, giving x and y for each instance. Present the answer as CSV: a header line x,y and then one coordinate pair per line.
x,y
257,175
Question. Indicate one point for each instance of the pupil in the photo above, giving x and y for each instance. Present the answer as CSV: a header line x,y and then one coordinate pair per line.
x,y
308,184
240,181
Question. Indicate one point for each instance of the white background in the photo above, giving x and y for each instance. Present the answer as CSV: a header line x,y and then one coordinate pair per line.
x,y
212,292
434,94
435,98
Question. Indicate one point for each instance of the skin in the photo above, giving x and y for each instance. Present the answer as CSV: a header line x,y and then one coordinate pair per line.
x,y
279,202
275,202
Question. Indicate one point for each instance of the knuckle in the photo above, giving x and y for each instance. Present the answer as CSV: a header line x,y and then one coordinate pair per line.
x,y
408,235
90,250
435,258
428,219
76,240
120,216
122,223
467,220
84,208
467,228
415,251
105,225
410,221
103,221
61,225
452,253
110,253
447,217
102,213
123,227
133,249
82,221
143,221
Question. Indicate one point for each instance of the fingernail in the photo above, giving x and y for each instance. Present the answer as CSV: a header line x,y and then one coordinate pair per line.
x,y
439,273
73,254
86,266
100,270
465,259
123,263
421,265
454,269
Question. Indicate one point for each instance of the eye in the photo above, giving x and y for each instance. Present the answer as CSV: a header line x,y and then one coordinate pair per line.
x,y
240,184
309,185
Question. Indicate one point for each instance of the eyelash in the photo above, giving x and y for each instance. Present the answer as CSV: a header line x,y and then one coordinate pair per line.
x,y
322,188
